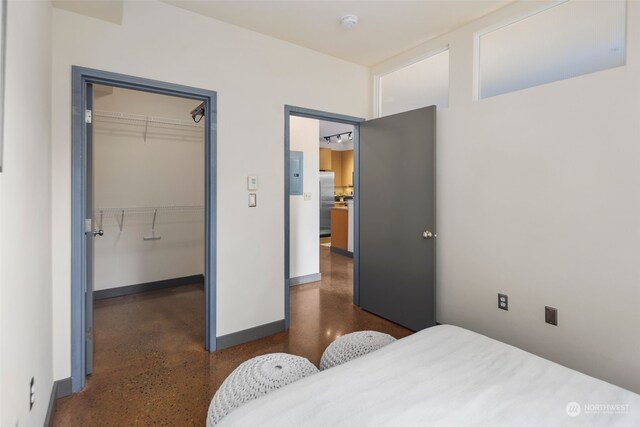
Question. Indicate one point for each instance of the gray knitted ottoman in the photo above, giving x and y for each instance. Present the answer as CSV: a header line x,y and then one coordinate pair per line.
x,y
254,378
353,345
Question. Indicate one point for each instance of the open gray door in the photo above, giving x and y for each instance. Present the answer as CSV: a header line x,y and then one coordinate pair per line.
x,y
398,217
91,231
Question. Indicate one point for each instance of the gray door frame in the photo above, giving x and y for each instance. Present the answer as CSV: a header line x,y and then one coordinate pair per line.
x,y
80,78
289,111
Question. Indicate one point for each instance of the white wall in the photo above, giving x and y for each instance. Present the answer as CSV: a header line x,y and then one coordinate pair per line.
x,y
304,222
420,84
255,76
165,170
538,198
25,222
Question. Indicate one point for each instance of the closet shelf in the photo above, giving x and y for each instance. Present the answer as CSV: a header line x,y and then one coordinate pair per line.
x,y
119,213
142,120
148,209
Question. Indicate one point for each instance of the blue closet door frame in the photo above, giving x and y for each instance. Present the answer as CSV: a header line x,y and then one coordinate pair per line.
x,y
80,78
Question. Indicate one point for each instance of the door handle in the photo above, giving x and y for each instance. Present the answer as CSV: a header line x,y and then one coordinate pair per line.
x,y
427,235
89,228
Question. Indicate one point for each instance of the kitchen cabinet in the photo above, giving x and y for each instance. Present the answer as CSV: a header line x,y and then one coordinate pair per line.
x,y
325,159
339,228
339,162
336,167
347,168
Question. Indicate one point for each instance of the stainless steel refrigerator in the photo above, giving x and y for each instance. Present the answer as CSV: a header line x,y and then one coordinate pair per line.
x,y
326,202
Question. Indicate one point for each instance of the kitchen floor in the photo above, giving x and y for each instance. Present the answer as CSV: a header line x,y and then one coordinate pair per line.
x,y
150,366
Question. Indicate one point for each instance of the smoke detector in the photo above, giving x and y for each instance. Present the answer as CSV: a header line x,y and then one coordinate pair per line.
x,y
348,21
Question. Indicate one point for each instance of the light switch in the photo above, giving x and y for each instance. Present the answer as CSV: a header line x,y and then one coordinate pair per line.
x,y
253,200
252,182
307,196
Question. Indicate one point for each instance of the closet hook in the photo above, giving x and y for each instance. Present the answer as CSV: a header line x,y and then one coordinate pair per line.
x,y
121,222
153,228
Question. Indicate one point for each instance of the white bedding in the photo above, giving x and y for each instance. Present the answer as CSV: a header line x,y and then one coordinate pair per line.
x,y
443,376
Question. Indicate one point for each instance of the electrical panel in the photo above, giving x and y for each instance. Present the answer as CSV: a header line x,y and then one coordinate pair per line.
x,y
295,173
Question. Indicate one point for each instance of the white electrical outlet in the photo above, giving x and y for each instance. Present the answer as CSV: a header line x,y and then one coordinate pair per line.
x,y
307,196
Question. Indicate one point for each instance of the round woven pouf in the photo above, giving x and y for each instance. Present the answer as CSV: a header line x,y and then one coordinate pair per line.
x,y
353,345
254,378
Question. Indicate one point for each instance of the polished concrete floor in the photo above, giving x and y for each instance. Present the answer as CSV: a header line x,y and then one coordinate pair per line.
x,y
150,365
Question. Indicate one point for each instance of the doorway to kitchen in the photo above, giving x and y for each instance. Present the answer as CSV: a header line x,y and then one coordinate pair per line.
x,y
143,219
336,185
320,205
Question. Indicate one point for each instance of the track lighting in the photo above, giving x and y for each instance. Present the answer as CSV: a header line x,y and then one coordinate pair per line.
x,y
338,137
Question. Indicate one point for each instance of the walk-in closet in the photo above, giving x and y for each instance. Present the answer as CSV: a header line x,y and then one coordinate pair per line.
x,y
148,221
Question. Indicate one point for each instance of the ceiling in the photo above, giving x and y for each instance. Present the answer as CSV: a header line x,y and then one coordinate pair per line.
x,y
107,10
385,28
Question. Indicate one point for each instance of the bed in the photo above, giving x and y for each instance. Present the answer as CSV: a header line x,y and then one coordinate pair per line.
x,y
444,376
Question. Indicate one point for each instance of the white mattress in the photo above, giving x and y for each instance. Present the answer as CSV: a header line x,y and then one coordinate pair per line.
x,y
443,376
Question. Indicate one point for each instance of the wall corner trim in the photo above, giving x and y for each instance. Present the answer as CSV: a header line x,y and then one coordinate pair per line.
x,y
301,280
250,334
